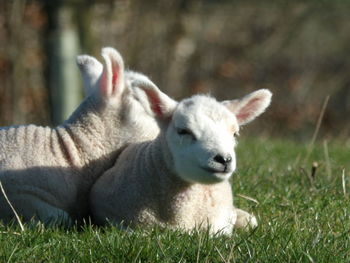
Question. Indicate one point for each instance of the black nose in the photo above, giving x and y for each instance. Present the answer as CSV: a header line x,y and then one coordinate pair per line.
x,y
223,160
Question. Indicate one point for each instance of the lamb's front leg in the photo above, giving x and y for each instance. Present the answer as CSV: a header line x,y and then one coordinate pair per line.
x,y
223,221
228,219
244,219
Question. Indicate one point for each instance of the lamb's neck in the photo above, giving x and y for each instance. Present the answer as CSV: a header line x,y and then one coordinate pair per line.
x,y
88,138
162,170
158,157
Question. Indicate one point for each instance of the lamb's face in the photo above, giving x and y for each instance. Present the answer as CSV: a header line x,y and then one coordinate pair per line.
x,y
201,138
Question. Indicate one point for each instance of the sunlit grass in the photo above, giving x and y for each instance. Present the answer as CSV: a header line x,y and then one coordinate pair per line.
x,y
302,217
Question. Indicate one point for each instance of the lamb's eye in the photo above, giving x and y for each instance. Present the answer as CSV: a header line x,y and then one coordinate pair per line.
x,y
185,131
236,134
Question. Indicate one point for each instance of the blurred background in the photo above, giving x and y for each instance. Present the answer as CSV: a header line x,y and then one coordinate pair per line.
x,y
298,49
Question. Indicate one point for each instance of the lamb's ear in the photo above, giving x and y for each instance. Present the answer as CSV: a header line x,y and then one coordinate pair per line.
x,y
250,106
111,84
90,70
161,104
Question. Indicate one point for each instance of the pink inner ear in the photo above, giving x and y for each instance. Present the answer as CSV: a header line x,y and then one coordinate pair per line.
x,y
103,83
241,117
114,78
157,109
155,102
246,112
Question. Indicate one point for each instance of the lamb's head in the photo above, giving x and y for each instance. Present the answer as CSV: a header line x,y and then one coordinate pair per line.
x,y
201,139
200,132
117,96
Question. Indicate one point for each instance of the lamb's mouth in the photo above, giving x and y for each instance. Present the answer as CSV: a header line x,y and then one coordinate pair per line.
x,y
215,171
213,175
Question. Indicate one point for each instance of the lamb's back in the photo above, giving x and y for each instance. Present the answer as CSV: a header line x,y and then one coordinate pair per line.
x,y
29,146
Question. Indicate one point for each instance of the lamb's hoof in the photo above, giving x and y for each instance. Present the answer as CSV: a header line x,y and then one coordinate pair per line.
x,y
245,220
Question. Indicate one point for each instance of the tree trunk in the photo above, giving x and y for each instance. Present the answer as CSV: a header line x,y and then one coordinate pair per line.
x,y
63,74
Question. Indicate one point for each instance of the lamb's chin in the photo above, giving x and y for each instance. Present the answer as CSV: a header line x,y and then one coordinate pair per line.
x,y
222,176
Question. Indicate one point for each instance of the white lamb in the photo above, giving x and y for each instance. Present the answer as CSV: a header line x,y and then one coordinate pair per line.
x,y
180,179
47,173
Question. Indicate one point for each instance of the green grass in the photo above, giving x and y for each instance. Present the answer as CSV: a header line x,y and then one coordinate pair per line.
x,y
301,219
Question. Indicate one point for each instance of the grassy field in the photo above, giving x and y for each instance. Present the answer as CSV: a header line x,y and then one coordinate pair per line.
x,y
304,216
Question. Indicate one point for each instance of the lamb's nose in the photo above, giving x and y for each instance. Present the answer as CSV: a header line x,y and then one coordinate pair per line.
x,y
223,160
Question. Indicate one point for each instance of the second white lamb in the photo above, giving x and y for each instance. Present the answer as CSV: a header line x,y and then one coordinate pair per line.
x,y
46,173
181,178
